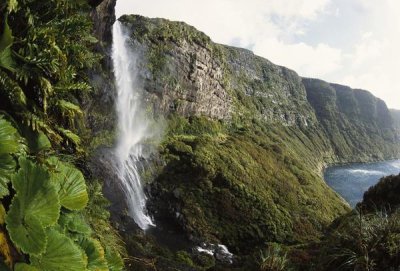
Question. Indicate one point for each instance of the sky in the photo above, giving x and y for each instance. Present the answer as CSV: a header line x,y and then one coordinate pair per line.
x,y
351,42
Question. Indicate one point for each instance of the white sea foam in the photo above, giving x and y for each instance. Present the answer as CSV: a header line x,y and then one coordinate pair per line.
x,y
366,172
395,164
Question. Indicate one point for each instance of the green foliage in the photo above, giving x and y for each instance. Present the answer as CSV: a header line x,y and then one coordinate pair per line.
x,y
9,139
25,267
26,231
34,207
97,216
70,184
95,254
9,144
185,258
363,242
70,137
74,223
37,141
45,48
33,220
12,92
114,260
69,111
242,187
61,254
274,259
6,41
384,196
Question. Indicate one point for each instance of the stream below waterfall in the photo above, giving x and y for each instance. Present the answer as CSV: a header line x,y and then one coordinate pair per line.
x,y
352,180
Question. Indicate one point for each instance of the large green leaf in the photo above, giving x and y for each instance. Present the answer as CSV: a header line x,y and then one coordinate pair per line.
x,y
9,143
8,137
70,185
7,167
34,207
114,260
37,195
25,267
26,231
37,141
61,255
95,254
6,60
6,40
74,223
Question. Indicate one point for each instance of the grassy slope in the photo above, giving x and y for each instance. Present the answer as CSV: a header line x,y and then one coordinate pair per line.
x,y
242,187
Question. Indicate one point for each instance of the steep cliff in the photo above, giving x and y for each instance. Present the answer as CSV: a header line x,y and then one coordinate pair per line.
x,y
396,117
359,125
246,139
103,16
243,144
186,73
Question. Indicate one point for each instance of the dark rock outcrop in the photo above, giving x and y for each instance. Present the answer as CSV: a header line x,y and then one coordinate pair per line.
x,y
382,197
103,16
183,76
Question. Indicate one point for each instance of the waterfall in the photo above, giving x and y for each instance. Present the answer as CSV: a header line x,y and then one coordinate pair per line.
x,y
132,124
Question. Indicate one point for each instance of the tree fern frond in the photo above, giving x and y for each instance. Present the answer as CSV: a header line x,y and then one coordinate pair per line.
x,y
72,137
47,90
12,91
79,86
38,124
12,5
69,111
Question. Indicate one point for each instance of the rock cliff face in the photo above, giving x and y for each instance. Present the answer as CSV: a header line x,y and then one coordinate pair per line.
x,y
396,117
359,125
276,93
103,16
189,75
185,73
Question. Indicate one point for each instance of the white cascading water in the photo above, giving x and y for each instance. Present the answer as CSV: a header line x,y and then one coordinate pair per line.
x,y
133,127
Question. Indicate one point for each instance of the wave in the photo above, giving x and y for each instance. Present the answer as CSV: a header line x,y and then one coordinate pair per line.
x,y
366,172
395,164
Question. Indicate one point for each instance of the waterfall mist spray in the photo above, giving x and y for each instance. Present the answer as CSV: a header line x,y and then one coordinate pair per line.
x,y
132,124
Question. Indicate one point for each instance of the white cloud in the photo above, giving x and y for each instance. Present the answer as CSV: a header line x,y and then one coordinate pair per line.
x,y
374,61
312,61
